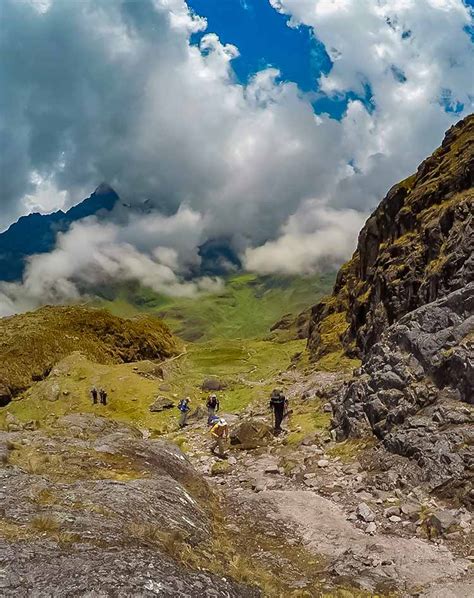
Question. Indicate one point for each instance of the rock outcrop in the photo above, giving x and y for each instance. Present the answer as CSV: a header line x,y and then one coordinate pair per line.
x,y
405,305
416,247
90,508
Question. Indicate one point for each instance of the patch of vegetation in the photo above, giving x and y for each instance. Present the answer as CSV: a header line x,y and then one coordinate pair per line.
x,y
307,420
348,450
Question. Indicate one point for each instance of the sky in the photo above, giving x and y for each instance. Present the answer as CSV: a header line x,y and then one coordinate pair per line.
x,y
275,125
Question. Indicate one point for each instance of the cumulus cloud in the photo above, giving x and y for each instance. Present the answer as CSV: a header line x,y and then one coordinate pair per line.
x,y
321,241
98,90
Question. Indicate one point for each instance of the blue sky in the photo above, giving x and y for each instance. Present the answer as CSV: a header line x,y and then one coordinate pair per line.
x,y
264,39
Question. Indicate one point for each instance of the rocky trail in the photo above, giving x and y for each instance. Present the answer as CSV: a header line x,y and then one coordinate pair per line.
x,y
348,510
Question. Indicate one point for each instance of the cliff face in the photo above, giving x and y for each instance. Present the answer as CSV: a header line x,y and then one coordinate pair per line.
x,y
417,246
404,304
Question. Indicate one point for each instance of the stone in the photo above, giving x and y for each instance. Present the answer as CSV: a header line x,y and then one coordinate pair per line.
x,y
365,513
395,519
250,434
411,509
371,528
160,404
391,511
323,463
213,384
441,522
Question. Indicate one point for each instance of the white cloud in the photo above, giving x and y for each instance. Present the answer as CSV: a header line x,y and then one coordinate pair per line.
x,y
116,92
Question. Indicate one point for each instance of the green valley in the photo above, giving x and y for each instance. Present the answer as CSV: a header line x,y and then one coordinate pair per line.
x,y
246,307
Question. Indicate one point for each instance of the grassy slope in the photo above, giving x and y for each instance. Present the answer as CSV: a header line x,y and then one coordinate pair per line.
x,y
249,368
32,343
232,328
247,306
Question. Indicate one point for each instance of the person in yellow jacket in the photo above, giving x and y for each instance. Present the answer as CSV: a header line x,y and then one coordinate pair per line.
x,y
219,433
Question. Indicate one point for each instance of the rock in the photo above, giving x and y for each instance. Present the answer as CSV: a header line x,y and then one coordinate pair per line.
x,y
327,408
411,510
232,461
391,511
160,404
250,434
273,468
371,528
213,384
323,463
395,519
365,513
441,522
220,467
5,395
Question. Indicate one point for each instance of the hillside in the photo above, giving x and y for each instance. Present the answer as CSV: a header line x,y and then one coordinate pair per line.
x,y
32,343
404,303
36,233
247,306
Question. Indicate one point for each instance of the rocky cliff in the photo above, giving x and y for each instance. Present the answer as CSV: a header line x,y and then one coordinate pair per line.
x,y
405,305
416,247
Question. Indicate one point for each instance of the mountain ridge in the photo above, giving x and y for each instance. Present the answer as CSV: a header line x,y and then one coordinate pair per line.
x,y
36,233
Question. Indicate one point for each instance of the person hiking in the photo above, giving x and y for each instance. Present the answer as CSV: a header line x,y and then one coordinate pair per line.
x,y
103,396
184,407
278,404
219,434
212,407
94,395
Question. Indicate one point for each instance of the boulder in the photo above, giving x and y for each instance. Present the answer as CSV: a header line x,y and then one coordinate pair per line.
x,y
441,522
213,385
251,434
160,404
365,513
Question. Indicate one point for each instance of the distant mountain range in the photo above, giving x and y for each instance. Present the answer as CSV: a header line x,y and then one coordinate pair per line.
x,y
36,233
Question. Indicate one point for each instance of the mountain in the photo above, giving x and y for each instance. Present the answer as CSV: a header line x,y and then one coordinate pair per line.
x,y
404,304
36,233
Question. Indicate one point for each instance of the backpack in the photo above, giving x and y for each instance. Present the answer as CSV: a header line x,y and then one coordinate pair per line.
x,y
277,399
182,406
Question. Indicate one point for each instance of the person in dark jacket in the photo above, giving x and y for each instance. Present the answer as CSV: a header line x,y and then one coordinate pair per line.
x,y
94,395
212,408
278,404
103,396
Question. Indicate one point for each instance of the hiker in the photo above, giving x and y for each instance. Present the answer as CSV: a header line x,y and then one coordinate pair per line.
x,y
278,404
94,395
184,407
219,434
212,407
103,397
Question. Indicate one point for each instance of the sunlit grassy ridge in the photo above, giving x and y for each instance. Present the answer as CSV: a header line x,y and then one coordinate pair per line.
x,y
32,343
246,307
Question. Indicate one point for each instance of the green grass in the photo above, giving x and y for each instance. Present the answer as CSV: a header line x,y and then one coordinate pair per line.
x,y
248,366
247,306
